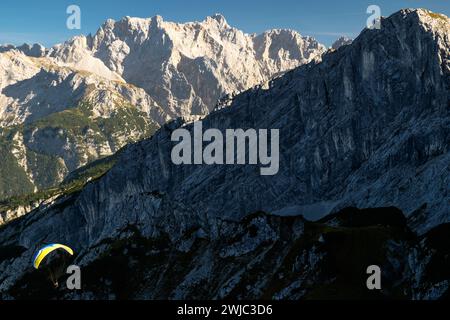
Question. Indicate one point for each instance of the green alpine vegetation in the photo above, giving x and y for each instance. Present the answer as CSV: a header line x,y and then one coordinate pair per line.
x,y
38,156
72,184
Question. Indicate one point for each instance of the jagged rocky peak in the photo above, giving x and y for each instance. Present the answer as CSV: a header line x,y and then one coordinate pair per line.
x,y
221,58
72,50
35,50
342,41
217,19
287,45
435,20
185,67
6,47
220,18
436,23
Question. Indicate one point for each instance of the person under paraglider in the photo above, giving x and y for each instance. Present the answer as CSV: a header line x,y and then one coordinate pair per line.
x,y
53,258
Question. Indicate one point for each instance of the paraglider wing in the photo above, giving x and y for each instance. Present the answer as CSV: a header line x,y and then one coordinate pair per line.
x,y
40,256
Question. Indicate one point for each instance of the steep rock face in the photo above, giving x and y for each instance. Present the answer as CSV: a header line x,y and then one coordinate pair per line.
x,y
261,257
366,127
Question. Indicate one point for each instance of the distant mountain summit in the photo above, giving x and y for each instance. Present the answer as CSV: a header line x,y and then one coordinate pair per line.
x,y
64,107
187,67
367,127
183,68
342,41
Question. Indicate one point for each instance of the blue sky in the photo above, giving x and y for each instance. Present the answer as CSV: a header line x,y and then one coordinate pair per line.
x,y
45,21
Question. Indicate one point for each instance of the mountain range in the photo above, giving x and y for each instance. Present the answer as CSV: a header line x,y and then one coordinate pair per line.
x,y
364,179
63,108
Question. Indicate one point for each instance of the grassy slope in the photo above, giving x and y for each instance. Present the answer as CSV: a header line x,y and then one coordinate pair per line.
x,y
75,125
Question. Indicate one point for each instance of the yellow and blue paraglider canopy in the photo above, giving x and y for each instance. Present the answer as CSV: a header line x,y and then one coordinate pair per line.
x,y
40,256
